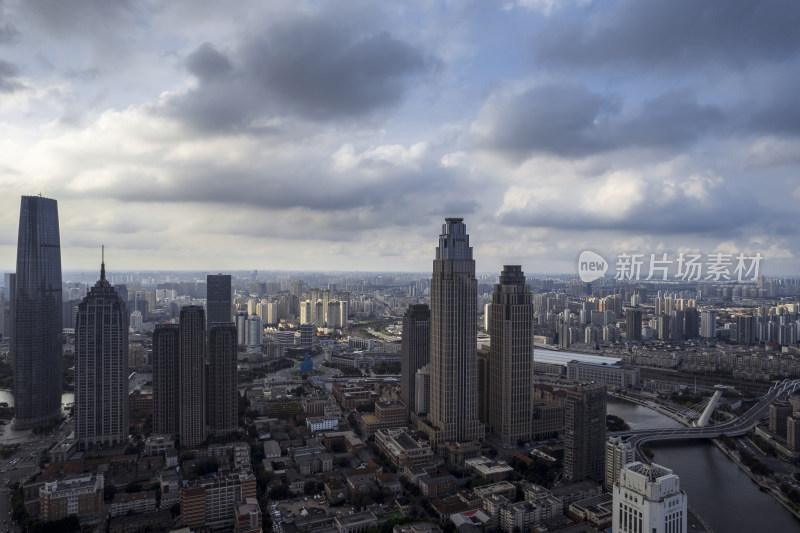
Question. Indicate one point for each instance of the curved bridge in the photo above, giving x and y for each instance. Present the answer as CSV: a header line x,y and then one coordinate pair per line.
x,y
733,427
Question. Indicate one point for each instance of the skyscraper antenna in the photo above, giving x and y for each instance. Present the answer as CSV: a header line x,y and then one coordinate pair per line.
x,y
102,261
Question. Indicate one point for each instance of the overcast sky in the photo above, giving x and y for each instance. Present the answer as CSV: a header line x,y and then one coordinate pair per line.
x,y
338,135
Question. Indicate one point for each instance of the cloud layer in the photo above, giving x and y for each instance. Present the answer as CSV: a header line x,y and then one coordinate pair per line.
x,y
316,135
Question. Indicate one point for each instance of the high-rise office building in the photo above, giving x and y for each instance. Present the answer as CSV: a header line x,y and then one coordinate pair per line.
x,y
415,346
648,498
192,339
618,454
510,365
218,299
585,432
453,415
166,380
223,394
36,314
101,367
633,324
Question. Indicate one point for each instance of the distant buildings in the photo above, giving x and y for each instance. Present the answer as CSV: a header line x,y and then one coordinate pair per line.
x,y
101,368
416,352
648,498
708,324
36,315
453,415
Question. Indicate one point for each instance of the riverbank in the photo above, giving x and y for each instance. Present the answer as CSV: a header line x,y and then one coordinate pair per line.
x,y
770,487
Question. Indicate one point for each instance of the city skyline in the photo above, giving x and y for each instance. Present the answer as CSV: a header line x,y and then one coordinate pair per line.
x,y
553,127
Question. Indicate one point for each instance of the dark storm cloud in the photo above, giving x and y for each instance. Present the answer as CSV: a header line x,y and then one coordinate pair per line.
x,y
8,81
725,213
676,33
317,66
207,63
570,121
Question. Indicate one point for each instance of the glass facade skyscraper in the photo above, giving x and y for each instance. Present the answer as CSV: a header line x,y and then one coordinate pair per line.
x,y
36,345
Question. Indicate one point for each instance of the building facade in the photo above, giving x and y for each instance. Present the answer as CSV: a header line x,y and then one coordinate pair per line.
x,y
585,433
223,394
416,351
218,299
618,454
36,315
648,498
453,415
192,385
510,364
101,368
166,382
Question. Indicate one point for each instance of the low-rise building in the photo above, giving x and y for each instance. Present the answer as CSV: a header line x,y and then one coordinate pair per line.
x,y
489,469
80,495
137,502
402,449
356,523
209,502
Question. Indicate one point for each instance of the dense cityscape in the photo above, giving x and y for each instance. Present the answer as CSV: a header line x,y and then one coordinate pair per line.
x,y
352,402
430,266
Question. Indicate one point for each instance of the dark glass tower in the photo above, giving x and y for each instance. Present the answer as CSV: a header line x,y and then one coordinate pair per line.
x,y
101,367
192,386
36,312
166,373
223,395
416,350
218,299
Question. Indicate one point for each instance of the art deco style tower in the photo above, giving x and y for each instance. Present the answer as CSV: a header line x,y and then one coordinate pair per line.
x,y
223,394
416,350
166,382
453,413
101,367
192,340
36,336
510,365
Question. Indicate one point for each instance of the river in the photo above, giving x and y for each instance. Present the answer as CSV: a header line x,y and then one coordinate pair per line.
x,y
715,486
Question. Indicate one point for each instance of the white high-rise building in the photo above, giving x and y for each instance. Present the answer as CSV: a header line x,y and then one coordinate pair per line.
x,y
648,498
708,324
255,331
618,454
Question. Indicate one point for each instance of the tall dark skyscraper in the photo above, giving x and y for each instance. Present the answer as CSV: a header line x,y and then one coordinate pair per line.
x,y
36,337
585,433
223,394
453,415
510,365
416,350
192,412
633,324
166,380
218,299
101,367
